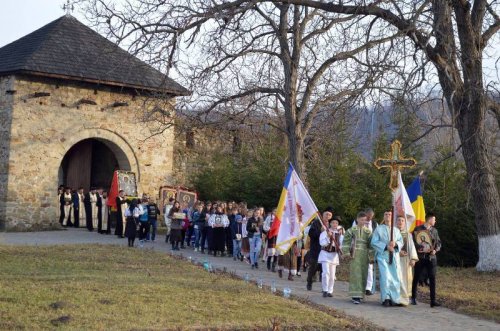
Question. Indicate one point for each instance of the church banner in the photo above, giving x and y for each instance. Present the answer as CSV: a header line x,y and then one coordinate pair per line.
x,y
122,180
295,211
181,194
402,204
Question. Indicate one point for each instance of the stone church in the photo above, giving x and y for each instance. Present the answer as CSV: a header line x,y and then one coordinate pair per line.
x,y
74,107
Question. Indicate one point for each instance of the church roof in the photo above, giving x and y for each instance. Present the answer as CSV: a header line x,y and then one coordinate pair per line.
x,y
66,48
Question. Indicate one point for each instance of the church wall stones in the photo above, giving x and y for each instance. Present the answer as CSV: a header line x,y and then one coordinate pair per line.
x,y
6,100
43,118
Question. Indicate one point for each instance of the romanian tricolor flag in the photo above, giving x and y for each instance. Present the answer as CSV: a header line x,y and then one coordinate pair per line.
x,y
295,211
417,202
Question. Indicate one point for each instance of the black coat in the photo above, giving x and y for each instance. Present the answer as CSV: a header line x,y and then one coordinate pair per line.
x,y
314,233
252,225
88,210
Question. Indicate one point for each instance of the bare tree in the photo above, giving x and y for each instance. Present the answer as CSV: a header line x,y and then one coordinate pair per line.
x,y
454,36
294,51
285,64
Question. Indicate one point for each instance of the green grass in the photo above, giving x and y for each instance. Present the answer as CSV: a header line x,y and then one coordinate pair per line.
x,y
461,289
97,287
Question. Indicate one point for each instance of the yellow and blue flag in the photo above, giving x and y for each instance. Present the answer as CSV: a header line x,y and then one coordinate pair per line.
x,y
295,211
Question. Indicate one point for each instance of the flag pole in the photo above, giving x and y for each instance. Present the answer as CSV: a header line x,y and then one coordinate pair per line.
x,y
391,254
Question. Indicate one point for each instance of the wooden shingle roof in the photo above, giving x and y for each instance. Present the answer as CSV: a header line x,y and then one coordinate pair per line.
x,y
66,48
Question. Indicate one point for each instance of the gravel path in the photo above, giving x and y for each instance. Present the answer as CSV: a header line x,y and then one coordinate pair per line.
x,y
420,317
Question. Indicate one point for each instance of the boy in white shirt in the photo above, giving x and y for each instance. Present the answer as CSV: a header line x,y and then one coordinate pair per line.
x,y
329,257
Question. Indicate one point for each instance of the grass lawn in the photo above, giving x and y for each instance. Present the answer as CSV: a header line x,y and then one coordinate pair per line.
x,y
101,287
462,289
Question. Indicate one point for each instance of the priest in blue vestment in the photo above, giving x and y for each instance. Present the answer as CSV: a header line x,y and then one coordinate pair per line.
x,y
390,274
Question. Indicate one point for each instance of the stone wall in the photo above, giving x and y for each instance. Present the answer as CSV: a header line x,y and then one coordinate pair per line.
x,y
193,147
45,127
6,100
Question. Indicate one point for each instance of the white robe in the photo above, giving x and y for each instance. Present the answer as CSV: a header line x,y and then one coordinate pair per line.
x,y
81,211
93,207
406,269
104,214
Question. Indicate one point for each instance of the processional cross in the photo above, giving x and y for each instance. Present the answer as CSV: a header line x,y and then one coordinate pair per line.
x,y
395,162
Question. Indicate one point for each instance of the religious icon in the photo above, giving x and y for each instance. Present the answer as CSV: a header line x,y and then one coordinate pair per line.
x,y
424,241
166,192
127,183
185,196
188,197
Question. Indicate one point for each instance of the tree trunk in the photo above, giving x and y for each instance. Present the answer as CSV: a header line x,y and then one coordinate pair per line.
x,y
481,181
296,153
467,101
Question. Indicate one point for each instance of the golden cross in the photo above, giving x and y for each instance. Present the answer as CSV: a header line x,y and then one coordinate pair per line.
x,y
395,162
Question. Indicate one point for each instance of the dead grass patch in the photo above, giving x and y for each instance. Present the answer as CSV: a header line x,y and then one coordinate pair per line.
x,y
102,287
462,289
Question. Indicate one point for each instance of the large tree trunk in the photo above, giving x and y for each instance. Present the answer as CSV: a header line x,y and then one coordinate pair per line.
x,y
467,101
481,181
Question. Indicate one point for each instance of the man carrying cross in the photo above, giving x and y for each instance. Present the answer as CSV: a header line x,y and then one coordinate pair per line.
x,y
387,240
390,271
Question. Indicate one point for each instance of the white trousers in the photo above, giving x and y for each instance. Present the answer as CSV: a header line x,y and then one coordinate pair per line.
x,y
67,213
328,276
369,278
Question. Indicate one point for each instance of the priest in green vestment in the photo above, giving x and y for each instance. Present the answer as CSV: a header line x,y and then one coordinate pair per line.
x,y
356,244
390,273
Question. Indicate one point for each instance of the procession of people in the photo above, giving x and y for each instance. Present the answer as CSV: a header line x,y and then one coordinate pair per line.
x,y
244,234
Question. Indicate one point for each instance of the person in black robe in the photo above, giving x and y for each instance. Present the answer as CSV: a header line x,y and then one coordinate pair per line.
x,y
229,238
204,229
315,230
104,221
120,200
76,207
99,210
88,208
60,192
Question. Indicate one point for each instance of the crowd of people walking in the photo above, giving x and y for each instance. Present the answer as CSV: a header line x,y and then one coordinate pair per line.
x,y
245,234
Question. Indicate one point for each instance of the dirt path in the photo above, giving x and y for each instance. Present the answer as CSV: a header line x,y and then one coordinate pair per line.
x,y
420,317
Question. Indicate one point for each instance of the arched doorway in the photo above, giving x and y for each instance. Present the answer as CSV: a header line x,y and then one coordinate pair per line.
x,y
91,163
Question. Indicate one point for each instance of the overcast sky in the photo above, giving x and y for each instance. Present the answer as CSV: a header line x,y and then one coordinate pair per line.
x,y
20,17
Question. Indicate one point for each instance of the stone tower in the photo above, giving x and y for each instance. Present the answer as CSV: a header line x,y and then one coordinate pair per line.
x,y
73,108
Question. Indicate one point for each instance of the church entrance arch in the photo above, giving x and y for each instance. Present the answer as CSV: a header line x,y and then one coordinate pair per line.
x,y
92,156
